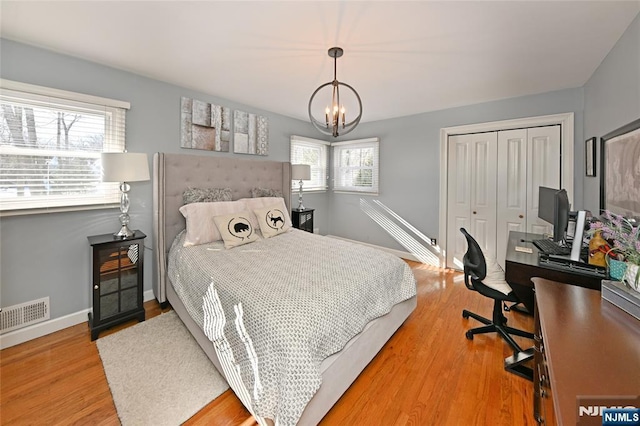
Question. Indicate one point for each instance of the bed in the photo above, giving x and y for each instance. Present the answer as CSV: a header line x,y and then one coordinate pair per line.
x,y
173,173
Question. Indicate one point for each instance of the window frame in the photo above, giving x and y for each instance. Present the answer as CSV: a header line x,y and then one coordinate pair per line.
x,y
337,147
114,141
321,169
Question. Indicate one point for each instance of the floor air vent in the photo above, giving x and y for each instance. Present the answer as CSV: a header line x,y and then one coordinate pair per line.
x,y
24,314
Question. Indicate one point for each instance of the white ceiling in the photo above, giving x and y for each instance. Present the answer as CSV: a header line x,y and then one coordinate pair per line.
x,y
402,57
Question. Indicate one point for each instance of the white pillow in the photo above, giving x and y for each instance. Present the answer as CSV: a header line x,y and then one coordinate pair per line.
x,y
236,229
201,228
271,221
495,276
263,202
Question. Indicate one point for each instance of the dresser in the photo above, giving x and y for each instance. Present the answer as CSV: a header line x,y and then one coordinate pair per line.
x,y
585,348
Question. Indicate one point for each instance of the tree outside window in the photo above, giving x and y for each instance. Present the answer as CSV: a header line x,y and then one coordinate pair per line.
x,y
50,151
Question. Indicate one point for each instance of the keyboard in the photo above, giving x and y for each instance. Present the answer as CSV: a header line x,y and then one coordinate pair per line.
x,y
550,247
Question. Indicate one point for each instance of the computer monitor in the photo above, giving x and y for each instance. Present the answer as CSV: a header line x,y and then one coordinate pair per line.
x,y
553,207
561,220
547,204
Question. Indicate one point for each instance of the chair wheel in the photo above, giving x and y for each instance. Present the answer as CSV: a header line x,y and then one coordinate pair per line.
x,y
465,314
469,335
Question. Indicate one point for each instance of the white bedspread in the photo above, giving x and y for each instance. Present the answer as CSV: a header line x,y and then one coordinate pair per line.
x,y
304,297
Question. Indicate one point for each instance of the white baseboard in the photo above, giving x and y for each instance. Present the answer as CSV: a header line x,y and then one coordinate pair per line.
x,y
401,254
42,329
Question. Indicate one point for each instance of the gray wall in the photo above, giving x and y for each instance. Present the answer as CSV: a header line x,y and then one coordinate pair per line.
x,y
612,99
410,161
48,254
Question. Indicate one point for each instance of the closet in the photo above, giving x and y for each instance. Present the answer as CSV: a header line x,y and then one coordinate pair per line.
x,y
492,186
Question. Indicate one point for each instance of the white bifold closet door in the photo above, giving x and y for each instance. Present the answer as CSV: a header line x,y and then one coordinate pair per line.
x,y
492,186
471,193
528,158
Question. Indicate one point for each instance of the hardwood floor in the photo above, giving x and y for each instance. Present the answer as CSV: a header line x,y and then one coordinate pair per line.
x,y
427,374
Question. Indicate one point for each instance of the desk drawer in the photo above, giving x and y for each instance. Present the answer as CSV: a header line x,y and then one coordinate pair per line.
x,y
543,409
538,373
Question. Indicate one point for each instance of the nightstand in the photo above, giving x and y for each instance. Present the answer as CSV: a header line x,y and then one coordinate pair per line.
x,y
302,219
117,270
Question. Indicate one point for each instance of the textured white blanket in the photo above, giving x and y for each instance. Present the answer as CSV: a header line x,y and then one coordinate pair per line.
x,y
303,298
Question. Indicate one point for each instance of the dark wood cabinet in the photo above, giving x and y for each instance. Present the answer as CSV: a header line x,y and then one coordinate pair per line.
x,y
116,281
587,353
302,219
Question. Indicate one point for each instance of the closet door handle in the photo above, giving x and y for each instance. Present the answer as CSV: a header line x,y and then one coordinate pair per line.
x,y
521,216
474,212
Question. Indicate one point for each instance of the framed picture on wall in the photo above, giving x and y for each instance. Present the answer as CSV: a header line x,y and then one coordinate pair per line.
x,y
620,170
590,156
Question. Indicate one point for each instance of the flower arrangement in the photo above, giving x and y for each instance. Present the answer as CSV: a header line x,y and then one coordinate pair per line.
x,y
623,237
621,233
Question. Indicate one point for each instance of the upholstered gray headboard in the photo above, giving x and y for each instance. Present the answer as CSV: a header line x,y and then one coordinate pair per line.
x,y
173,173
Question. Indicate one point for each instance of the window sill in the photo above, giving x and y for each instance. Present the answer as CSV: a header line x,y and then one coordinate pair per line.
x,y
309,191
44,210
373,194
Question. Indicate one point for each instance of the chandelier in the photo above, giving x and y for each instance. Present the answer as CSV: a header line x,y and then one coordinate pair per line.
x,y
335,121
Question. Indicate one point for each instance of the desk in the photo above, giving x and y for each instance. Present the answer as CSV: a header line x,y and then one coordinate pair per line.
x,y
521,267
584,346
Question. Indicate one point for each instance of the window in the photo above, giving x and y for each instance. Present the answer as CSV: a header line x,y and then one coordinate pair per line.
x,y
50,146
314,153
355,166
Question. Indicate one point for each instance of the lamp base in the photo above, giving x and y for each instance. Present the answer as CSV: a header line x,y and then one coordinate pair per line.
x,y
300,205
124,233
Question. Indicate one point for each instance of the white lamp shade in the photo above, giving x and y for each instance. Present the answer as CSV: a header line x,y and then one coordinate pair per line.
x,y
124,167
300,172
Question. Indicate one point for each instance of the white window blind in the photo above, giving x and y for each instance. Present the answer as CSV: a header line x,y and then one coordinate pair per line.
x,y
314,153
50,146
356,166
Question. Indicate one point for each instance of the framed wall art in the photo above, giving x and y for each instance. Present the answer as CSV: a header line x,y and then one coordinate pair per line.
x,y
204,125
620,170
250,133
590,157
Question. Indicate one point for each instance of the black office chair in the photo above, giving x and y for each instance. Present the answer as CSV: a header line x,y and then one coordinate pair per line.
x,y
475,270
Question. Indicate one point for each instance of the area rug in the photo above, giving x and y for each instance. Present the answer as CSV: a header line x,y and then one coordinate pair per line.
x,y
157,373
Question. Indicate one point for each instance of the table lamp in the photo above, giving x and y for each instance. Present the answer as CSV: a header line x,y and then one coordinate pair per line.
x,y
124,167
300,172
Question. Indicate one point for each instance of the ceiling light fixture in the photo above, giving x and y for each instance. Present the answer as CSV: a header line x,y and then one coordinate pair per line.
x,y
335,116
